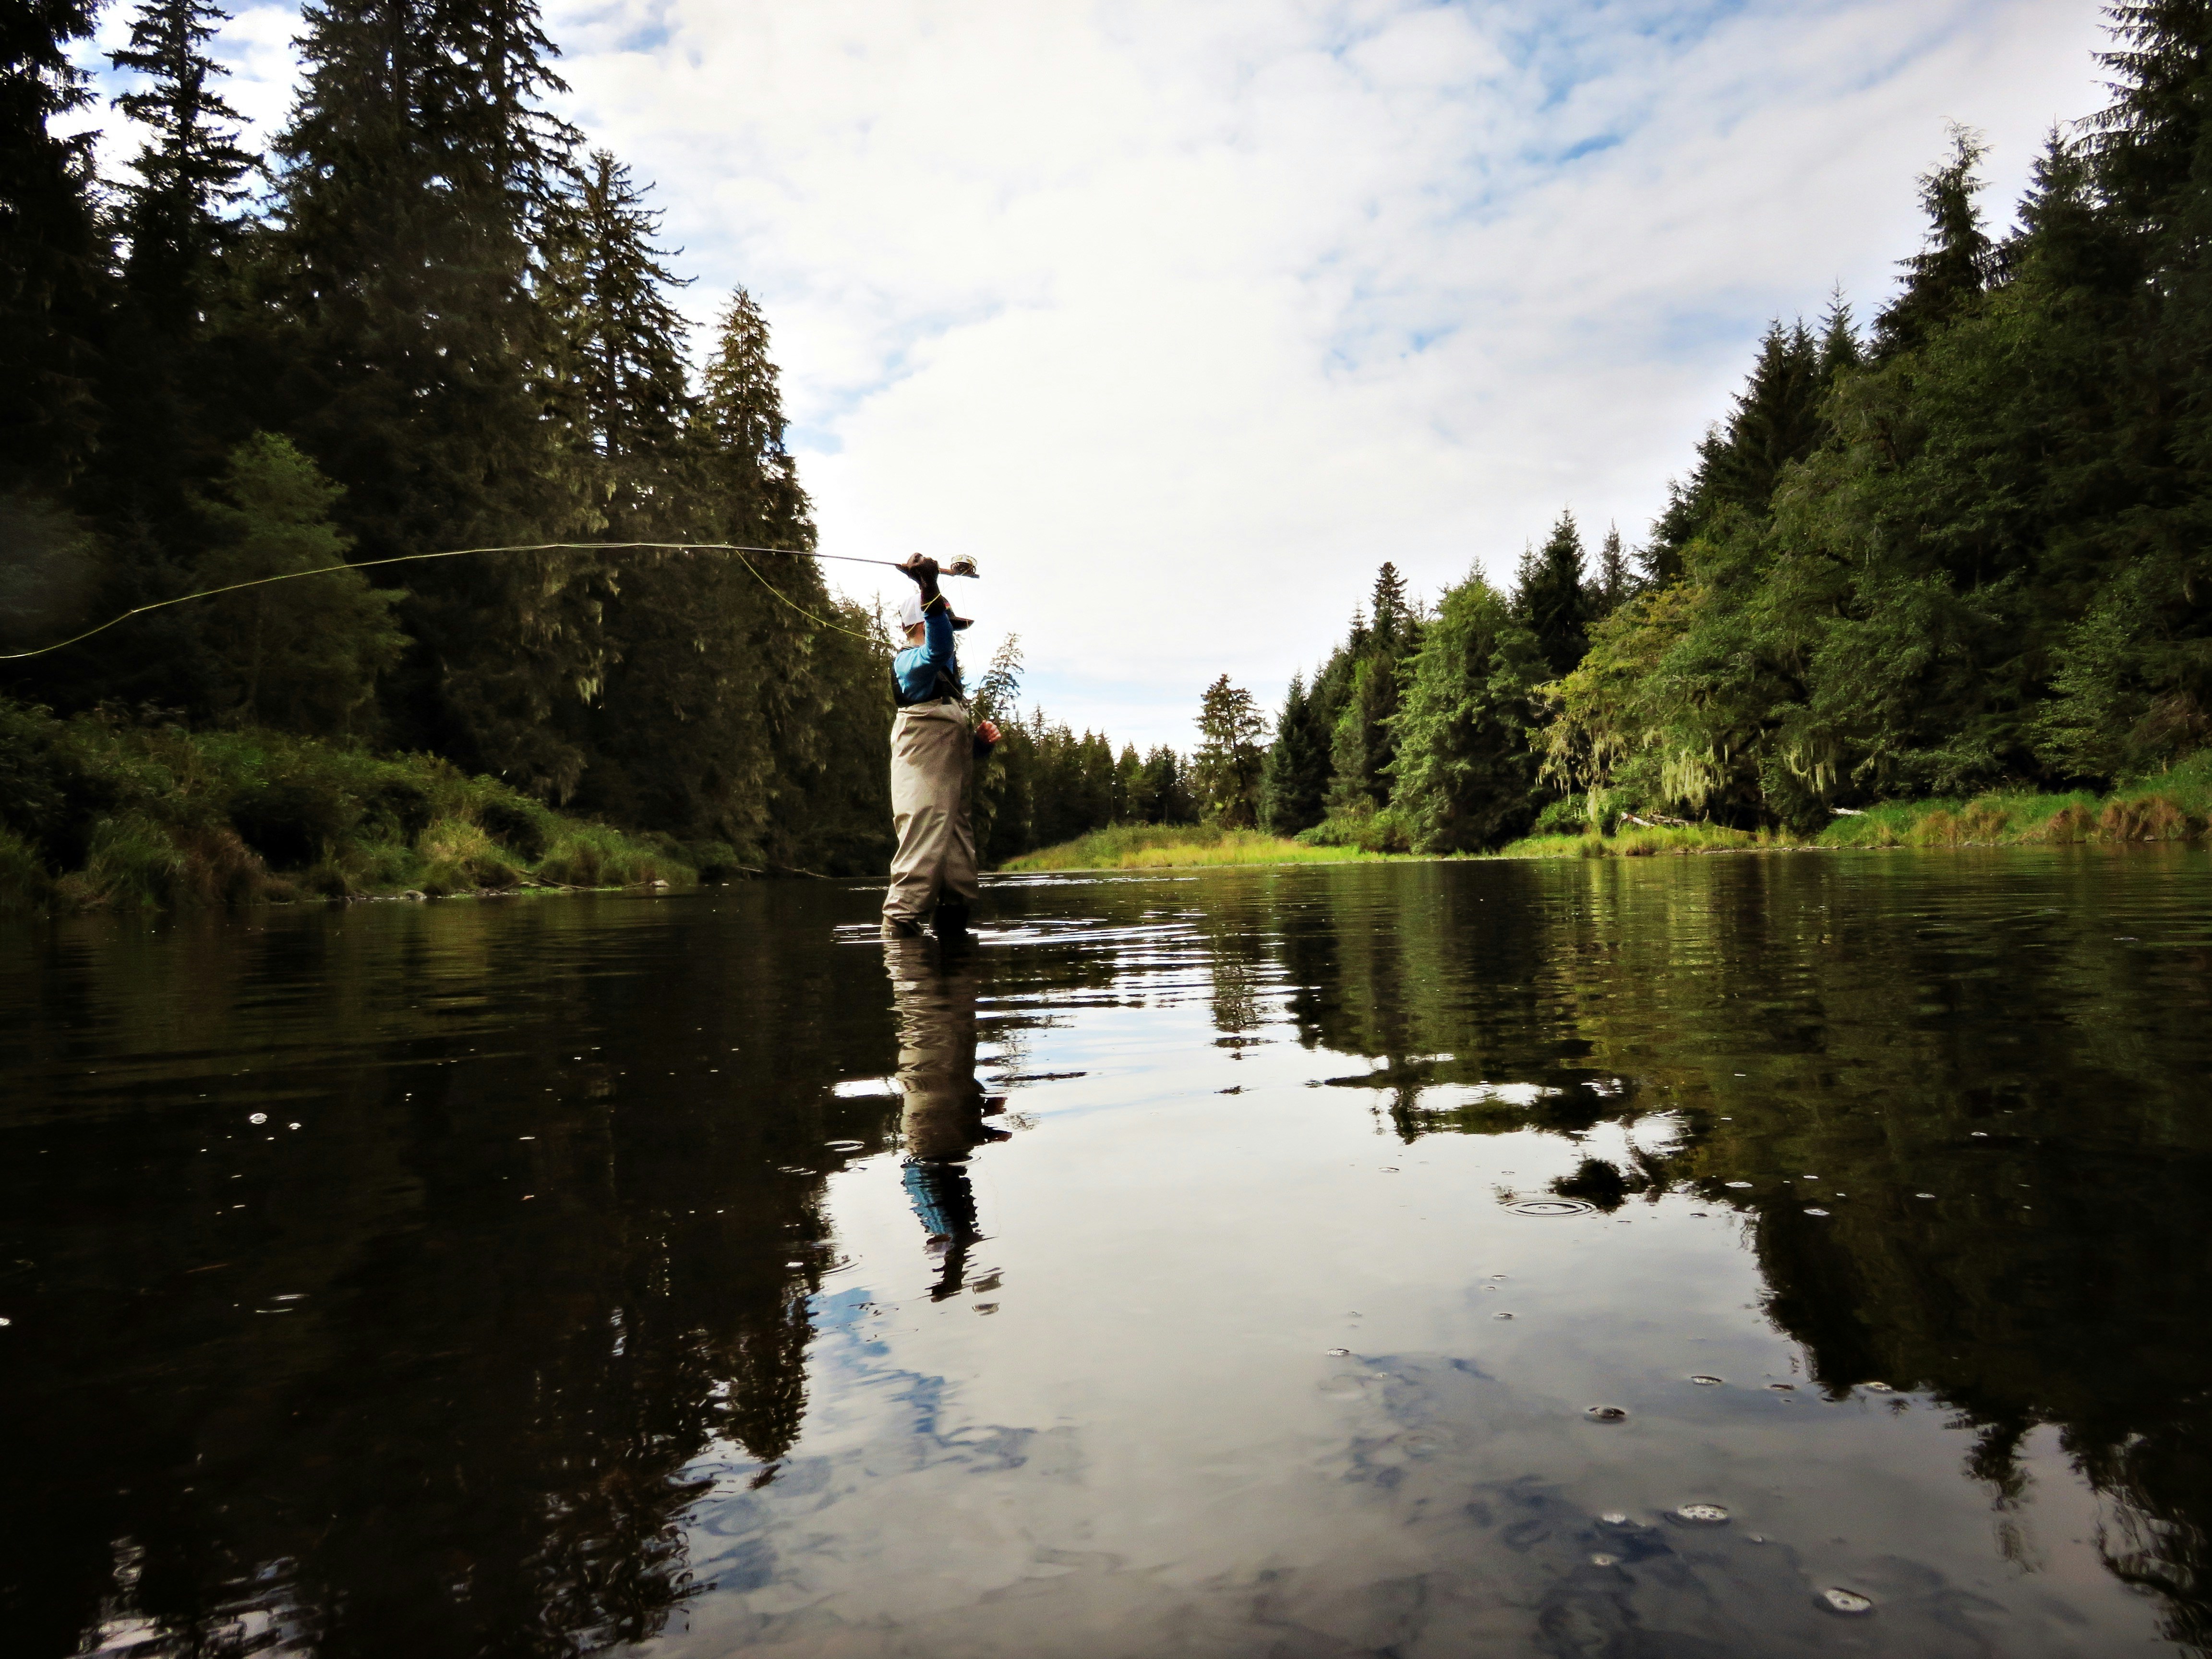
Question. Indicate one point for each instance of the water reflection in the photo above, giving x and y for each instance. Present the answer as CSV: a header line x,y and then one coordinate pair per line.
x,y
942,1104
571,1312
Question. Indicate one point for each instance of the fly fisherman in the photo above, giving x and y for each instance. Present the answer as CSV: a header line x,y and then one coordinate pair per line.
x,y
934,750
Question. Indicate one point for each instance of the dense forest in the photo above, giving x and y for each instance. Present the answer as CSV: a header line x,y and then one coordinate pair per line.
x,y
432,318
1964,548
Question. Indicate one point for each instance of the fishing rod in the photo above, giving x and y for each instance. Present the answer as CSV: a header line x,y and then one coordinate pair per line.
x,y
960,566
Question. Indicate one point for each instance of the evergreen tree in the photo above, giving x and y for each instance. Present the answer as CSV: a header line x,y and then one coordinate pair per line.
x,y
1128,787
168,395
1840,348
1777,422
1550,599
176,217
417,167
1168,795
1615,582
1359,690
1363,744
1225,769
1395,620
1464,768
1294,789
1945,278
621,337
302,656
53,288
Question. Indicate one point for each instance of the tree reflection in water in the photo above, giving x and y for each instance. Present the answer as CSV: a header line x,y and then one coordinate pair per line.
x,y
427,1375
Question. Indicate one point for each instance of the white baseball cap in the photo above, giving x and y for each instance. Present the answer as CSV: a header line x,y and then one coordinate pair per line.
x,y
911,613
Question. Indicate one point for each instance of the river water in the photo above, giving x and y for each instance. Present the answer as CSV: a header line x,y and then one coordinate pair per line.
x,y
1222,1264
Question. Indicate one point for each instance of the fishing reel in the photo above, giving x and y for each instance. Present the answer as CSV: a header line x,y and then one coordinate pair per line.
x,y
963,565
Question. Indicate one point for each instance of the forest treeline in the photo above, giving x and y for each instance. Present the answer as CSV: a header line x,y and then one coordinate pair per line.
x,y
431,317
1964,548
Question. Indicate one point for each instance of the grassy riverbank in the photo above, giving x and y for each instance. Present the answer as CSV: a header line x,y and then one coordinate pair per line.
x,y
1175,847
2172,806
105,812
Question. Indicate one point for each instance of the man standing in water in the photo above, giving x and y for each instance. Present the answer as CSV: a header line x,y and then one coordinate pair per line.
x,y
934,750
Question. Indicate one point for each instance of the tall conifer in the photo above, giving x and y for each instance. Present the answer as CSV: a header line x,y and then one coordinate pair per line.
x,y
53,256
174,217
1551,600
1951,269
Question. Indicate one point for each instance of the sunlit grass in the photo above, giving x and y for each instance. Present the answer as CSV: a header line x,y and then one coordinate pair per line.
x,y
1178,846
1636,842
2169,805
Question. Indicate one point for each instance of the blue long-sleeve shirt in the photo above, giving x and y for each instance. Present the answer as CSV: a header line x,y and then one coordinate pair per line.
x,y
916,668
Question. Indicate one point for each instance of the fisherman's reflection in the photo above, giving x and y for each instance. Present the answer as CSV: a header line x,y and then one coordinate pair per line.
x,y
941,1121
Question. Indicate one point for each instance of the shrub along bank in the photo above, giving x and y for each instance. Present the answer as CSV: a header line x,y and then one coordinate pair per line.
x,y
102,809
2175,805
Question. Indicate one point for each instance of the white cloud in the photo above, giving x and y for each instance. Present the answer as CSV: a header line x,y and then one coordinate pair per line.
x,y
1182,316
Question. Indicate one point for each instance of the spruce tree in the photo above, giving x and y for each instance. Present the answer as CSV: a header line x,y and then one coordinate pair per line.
x,y
415,168
301,655
1840,346
1294,788
1225,769
1950,273
1393,617
1465,767
621,337
1616,581
1550,599
53,286
176,217
1360,690
168,394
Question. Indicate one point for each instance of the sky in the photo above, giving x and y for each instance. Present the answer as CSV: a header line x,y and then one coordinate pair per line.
x,y
1180,319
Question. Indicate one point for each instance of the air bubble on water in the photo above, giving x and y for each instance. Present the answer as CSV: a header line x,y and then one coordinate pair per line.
x,y
1844,1601
1783,1388
1978,1134
1702,1515
1602,1560
1811,1209
1877,1388
1388,1169
1923,1194
1339,1354
258,1118
1736,1183
1614,1518
1705,1382
846,1145
1501,1315
1606,1414
1697,1215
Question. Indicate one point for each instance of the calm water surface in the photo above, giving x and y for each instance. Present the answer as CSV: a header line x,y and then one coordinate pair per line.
x,y
1221,1265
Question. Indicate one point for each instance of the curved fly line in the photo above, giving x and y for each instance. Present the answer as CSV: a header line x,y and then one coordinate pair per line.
x,y
462,552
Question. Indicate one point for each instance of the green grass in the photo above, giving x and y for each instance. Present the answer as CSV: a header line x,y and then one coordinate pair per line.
x,y
1633,842
1178,846
99,813
2169,805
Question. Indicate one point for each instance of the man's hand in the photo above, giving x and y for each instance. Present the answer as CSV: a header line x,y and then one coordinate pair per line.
x,y
987,730
921,567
